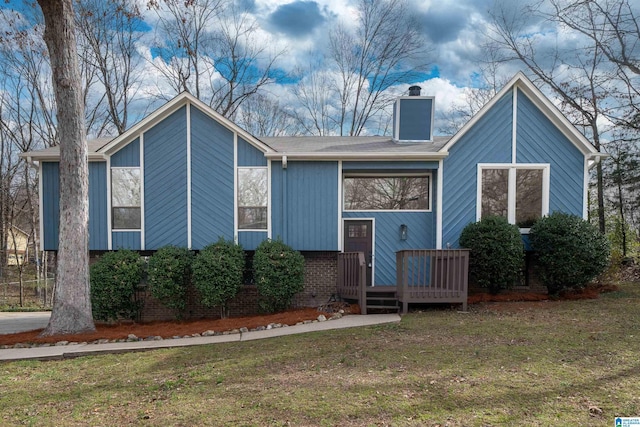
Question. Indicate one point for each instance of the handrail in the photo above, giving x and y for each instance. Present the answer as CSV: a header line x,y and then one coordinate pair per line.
x,y
432,276
352,278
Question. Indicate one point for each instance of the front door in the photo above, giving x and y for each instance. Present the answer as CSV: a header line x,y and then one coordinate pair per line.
x,y
358,237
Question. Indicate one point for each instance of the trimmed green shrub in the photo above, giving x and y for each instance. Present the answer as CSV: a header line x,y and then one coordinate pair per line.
x,y
168,277
497,252
115,278
278,274
570,251
217,274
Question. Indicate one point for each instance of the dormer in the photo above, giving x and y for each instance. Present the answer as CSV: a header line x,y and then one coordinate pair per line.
x,y
413,117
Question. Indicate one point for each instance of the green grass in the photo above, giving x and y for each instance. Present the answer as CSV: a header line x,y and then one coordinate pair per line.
x,y
548,363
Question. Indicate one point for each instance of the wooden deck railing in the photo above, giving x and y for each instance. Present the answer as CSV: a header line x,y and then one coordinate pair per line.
x,y
352,278
432,276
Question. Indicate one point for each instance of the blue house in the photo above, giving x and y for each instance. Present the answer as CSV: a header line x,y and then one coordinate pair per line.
x,y
185,176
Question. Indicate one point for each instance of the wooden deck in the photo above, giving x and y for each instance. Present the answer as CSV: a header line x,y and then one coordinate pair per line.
x,y
422,276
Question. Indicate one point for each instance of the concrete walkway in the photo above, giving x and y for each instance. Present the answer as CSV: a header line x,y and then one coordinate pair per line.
x,y
23,321
76,350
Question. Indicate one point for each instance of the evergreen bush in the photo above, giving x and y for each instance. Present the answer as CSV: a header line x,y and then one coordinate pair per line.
x,y
497,252
169,276
217,274
278,274
114,279
570,251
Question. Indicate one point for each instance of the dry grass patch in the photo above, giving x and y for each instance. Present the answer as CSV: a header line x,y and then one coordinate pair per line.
x,y
546,363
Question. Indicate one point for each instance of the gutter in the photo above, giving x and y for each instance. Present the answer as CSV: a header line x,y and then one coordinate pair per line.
x,y
394,155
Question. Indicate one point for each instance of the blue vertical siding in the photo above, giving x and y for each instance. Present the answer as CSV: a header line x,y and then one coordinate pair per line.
x,y
305,205
248,155
251,239
126,240
50,205
421,235
165,182
539,141
212,179
127,156
415,119
389,166
98,234
98,231
488,141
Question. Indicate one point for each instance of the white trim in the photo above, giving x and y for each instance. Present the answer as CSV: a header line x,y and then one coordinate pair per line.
x,y
189,240
373,244
235,187
142,201
269,205
382,174
585,190
41,207
333,156
340,226
439,208
109,206
396,125
511,196
127,230
514,127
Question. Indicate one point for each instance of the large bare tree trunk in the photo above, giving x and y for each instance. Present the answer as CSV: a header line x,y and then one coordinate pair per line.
x,y
72,302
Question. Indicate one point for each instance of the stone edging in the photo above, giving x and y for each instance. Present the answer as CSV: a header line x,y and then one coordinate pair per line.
x,y
208,333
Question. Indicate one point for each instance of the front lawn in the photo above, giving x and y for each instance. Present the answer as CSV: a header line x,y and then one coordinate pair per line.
x,y
543,363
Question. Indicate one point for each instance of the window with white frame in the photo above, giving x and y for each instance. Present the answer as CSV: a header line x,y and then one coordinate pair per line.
x,y
386,192
252,198
125,198
519,193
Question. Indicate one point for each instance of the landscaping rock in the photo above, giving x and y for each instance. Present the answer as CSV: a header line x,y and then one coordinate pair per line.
x,y
208,333
132,337
59,343
244,329
322,318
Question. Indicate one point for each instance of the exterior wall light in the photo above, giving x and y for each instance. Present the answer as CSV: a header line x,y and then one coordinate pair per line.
x,y
404,232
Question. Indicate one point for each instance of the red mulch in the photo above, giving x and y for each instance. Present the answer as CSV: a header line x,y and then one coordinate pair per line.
x,y
167,329
590,292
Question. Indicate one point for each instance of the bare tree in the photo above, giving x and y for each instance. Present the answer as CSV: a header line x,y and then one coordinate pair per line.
x,y
72,302
262,115
108,33
579,77
385,49
212,50
315,110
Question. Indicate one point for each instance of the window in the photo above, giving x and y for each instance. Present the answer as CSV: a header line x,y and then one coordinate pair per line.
x,y
519,193
370,193
252,198
125,198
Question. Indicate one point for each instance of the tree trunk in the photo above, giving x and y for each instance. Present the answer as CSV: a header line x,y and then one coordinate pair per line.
x,y
72,303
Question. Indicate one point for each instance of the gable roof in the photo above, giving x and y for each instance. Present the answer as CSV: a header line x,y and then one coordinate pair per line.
x,y
521,82
100,148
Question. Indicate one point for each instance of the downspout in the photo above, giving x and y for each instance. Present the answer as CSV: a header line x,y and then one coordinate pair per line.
x,y
285,223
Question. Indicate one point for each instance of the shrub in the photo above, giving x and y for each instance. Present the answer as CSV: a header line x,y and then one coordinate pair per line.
x,y
115,278
169,275
497,252
570,251
217,274
278,274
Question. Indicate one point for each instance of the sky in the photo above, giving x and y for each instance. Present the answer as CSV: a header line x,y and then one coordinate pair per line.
x,y
452,29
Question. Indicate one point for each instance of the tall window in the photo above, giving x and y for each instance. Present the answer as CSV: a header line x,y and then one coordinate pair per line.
x,y
125,198
252,198
519,193
367,193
